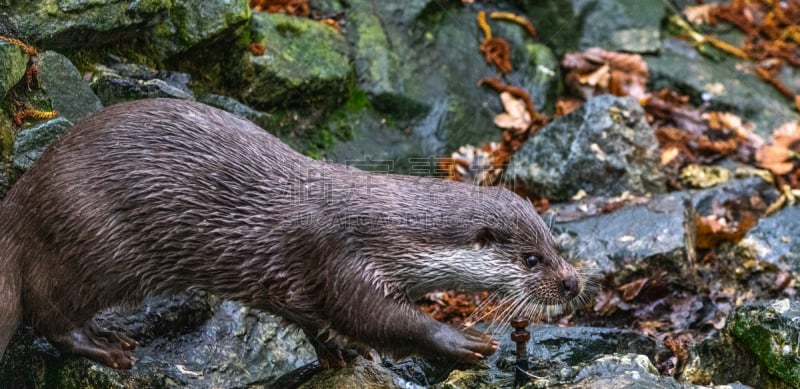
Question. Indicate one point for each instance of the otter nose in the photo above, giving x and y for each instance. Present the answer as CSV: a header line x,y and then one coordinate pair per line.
x,y
571,286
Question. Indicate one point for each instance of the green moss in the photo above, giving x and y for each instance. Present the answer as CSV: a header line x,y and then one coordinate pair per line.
x,y
139,50
767,333
339,125
357,101
306,64
6,151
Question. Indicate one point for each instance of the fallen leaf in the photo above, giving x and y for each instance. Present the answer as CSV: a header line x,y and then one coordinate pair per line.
x,y
669,155
516,116
700,14
632,289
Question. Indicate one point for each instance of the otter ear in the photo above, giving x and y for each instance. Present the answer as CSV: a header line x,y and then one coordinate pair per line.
x,y
484,237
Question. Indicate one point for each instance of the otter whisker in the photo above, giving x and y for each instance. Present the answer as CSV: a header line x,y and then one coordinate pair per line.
x,y
481,311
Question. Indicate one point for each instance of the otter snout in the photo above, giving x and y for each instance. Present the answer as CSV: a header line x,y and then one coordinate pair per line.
x,y
572,287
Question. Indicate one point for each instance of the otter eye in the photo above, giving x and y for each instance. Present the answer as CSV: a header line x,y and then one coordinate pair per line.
x,y
533,260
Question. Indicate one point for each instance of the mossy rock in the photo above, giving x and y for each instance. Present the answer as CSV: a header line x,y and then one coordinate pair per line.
x,y
306,63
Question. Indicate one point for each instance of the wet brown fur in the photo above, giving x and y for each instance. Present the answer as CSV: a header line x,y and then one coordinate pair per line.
x,y
159,196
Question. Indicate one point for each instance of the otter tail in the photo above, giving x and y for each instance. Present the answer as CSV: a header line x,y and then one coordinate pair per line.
x,y
10,297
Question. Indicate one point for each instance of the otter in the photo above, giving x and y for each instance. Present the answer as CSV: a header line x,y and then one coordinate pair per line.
x,y
157,196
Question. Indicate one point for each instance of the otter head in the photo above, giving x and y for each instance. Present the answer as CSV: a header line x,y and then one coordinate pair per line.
x,y
480,238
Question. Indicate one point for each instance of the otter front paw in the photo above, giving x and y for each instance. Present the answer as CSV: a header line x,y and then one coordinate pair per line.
x,y
468,345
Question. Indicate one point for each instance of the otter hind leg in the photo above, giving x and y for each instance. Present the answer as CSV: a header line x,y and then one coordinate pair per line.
x,y
107,347
329,353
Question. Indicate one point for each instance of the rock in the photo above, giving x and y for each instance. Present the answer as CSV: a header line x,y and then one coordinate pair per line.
x,y
757,347
263,119
620,371
381,66
376,145
629,25
80,23
744,193
360,373
771,332
775,239
192,23
13,63
721,84
121,81
306,63
618,247
544,83
31,142
419,74
296,133
69,94
168,28
572,357
659,240
605,147
7,175
185,341
746,200
575,345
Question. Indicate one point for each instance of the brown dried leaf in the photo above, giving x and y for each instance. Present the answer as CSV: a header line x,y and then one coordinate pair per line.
x,y
497,52
632,289
516,116
606,302
669,155
700,14
596,71
600,77
787,135
566,105
729,121
780,156
289,7
712,229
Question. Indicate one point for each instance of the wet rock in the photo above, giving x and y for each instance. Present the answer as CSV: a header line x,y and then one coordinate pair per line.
x,y
377,146
306,63
420,75
618,371
166,27
189,341
630,25
605,147
757,347
775,239
13,63
81,23
191,23
721,84
263,119
614,245
6,153
69,94
302,133
380,64
568,357
119,81
31,142
744,200
544,83
575,345
771,331
359,373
